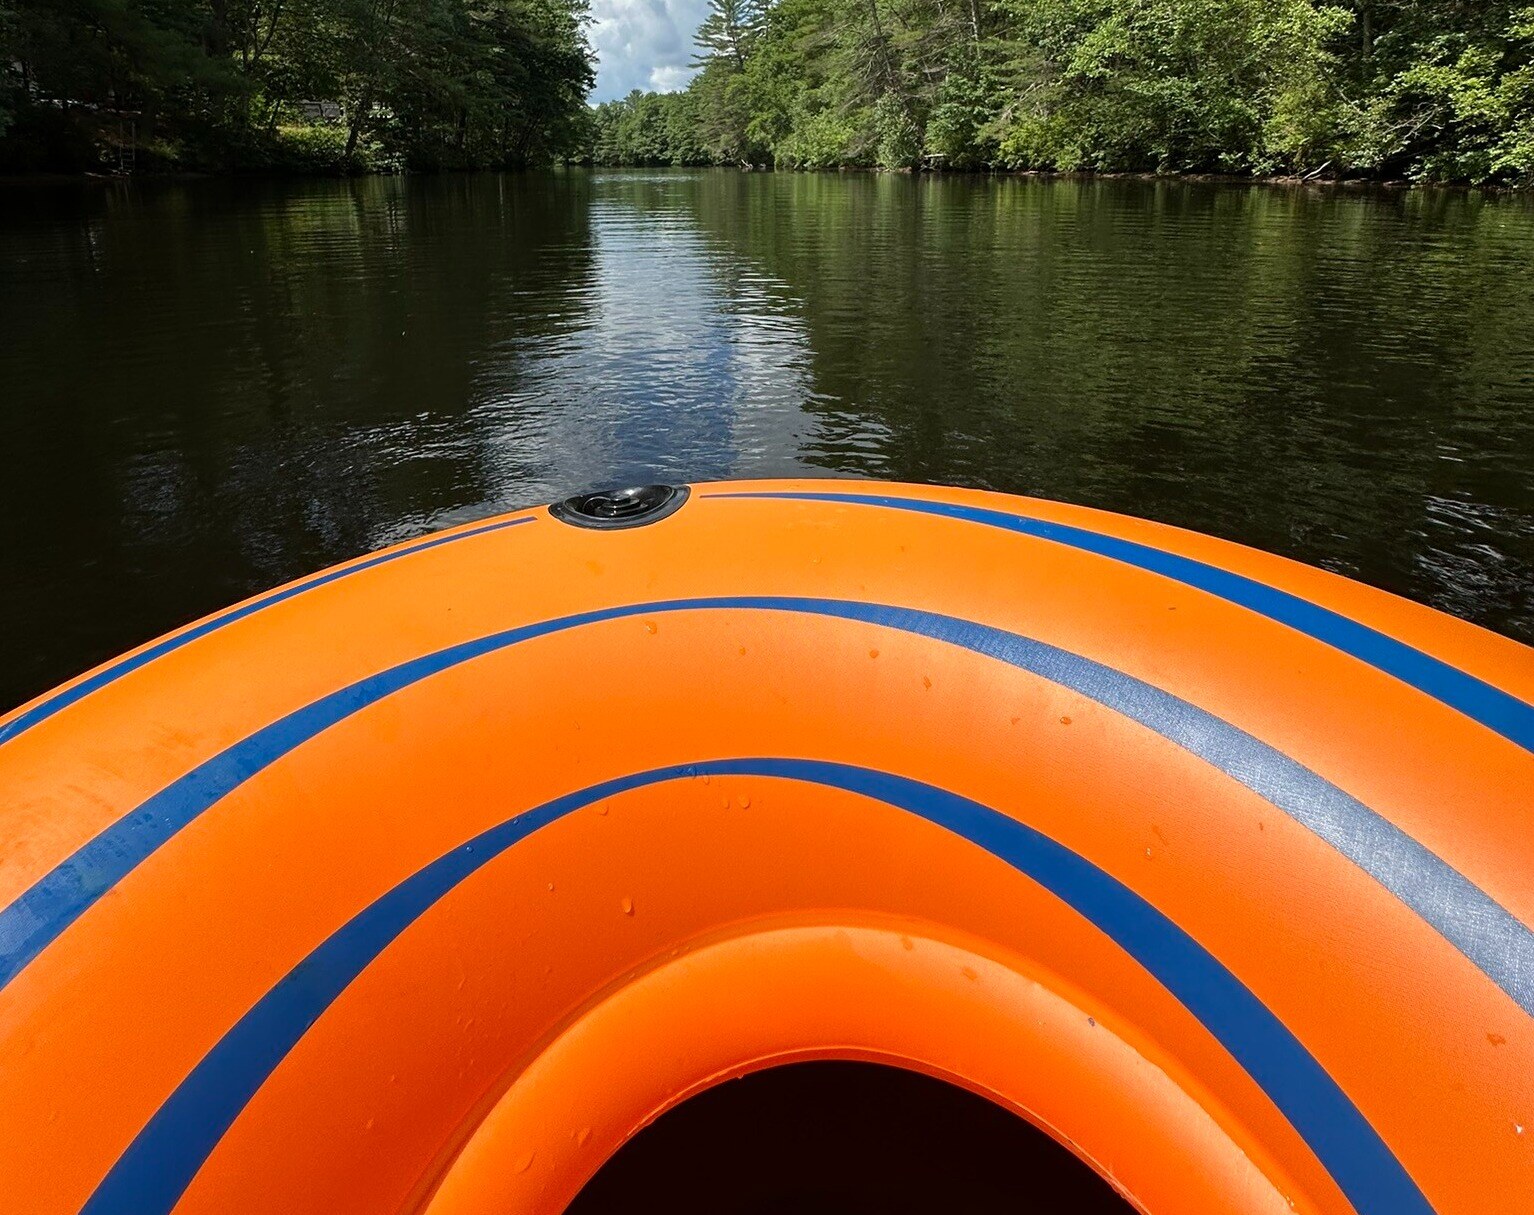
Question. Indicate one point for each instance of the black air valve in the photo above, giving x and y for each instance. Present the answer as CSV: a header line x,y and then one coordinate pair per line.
x,y
610,509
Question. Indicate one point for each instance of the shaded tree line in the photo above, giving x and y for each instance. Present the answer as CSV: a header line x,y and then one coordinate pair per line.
x,y
302,85
1428,89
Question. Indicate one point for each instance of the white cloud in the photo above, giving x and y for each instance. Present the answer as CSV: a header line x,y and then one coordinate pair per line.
x,y
671,79
643,44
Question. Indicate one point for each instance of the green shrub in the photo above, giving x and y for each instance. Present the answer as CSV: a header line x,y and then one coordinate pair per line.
x,y
817,141
898,138
321,149
959,132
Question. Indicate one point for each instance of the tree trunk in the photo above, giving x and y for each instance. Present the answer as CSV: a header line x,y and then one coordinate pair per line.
x,y
216,37
354,131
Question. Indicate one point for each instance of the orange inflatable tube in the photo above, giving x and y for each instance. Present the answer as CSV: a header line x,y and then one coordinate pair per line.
x,y
424,883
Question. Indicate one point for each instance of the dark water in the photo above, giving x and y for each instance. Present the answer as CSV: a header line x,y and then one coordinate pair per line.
x,y
207,388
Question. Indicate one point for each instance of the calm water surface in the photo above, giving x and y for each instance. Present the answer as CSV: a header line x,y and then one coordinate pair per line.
x,y
208,388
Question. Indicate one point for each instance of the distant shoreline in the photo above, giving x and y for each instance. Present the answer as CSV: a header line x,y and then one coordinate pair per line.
x,y
1291,180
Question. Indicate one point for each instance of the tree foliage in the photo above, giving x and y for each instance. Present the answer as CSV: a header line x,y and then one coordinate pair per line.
x,y
291,83
648,129
1429,89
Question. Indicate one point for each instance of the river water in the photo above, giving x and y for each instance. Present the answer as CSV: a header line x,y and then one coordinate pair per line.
x,y
210,387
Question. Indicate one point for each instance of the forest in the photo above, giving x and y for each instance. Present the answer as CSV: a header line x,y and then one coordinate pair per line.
x,y
290,85
1428,90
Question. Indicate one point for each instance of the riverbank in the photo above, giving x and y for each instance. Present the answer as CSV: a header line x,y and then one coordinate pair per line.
x,y
1260,88
1329,181
1357,184
50,141
366,165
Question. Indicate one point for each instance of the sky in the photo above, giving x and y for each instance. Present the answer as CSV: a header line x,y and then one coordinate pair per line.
x,y
643,44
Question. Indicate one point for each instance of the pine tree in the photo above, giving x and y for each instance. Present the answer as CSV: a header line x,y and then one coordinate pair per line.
x,y
727,33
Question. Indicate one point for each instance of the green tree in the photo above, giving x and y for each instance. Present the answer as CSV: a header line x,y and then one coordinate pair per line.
x,y
729,33
726,99
1451,93
429,82
1431,89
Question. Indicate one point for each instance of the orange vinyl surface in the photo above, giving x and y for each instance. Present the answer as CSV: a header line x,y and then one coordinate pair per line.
x,y
424,886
